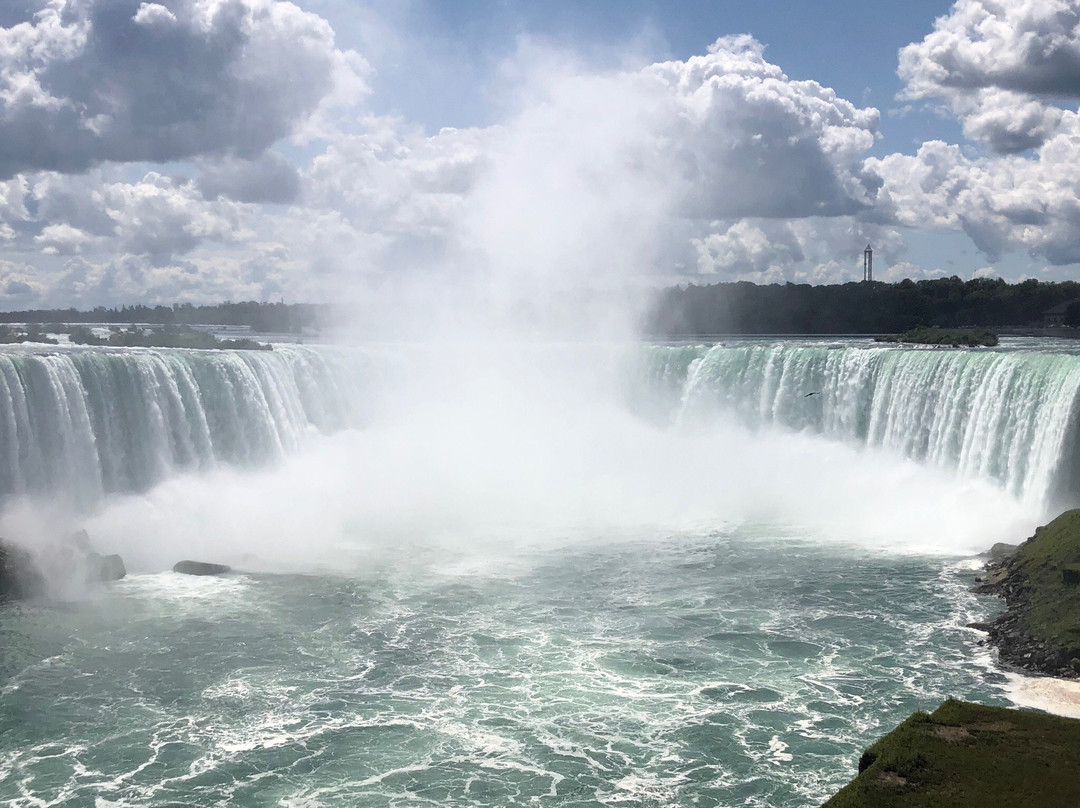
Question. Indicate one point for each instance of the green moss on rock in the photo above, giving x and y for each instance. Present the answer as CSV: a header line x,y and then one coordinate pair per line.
x,y
970,755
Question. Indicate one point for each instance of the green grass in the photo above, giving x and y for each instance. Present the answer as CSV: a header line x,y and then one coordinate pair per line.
x,y
956,337
1054,613
970,755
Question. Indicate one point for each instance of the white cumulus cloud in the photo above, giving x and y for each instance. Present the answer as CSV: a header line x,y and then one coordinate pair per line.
x,y
89,81
719,164
1000,66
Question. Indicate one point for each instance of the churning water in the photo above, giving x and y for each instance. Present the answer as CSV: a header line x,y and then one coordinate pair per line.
x,y
554,576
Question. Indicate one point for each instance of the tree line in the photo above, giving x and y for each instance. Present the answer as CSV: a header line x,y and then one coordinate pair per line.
x,y
857,308
263,317
723,308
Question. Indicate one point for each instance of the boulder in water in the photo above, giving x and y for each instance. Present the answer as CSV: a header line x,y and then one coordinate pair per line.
x,y
201,568
19,574
101,569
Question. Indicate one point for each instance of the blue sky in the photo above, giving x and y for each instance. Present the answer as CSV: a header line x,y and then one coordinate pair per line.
x,y
849,46
203,149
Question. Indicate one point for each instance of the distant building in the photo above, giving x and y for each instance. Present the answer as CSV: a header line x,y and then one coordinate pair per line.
x,y
868,264
1057,315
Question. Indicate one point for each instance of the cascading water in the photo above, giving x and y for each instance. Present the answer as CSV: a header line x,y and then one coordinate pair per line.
x,y
82,423
1005,416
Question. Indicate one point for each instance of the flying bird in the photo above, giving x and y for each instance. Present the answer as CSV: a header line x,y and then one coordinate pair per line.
x,y
816,392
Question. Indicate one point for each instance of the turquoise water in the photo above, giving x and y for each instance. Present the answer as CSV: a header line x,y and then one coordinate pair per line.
x,y
740,667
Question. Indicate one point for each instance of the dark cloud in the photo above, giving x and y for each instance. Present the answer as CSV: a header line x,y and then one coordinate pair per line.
x,y
753,142
126,80
1003,69
88,214
18,289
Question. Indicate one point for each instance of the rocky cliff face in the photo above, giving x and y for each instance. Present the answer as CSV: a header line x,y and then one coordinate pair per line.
x,y
1039,630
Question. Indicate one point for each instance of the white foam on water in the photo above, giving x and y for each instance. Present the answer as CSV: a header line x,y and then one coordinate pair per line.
x,y
1051,695
778,751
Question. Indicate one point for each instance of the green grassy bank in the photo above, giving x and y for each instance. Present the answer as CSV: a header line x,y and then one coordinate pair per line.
x,y
970,756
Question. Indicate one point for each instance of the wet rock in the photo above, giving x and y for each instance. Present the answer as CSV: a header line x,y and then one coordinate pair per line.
x,y
1045,570
80,540
991,579
867,760
19,575
102,569
201,568
1002,550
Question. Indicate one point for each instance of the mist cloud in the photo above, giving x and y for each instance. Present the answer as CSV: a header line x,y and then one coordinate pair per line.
x,y
597,176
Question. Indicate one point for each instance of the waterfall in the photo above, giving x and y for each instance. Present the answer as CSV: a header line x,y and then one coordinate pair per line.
x,y
81,423
1006,416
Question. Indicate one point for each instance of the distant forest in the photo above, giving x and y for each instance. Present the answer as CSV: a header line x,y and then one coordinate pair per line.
x,y
723,308
858,308
276,318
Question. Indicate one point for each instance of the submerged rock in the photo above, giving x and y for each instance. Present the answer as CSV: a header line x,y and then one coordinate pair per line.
x,y
19,574
76,559
201,568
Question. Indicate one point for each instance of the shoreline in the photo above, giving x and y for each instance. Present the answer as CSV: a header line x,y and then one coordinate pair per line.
x,y
1038,631
1036,635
